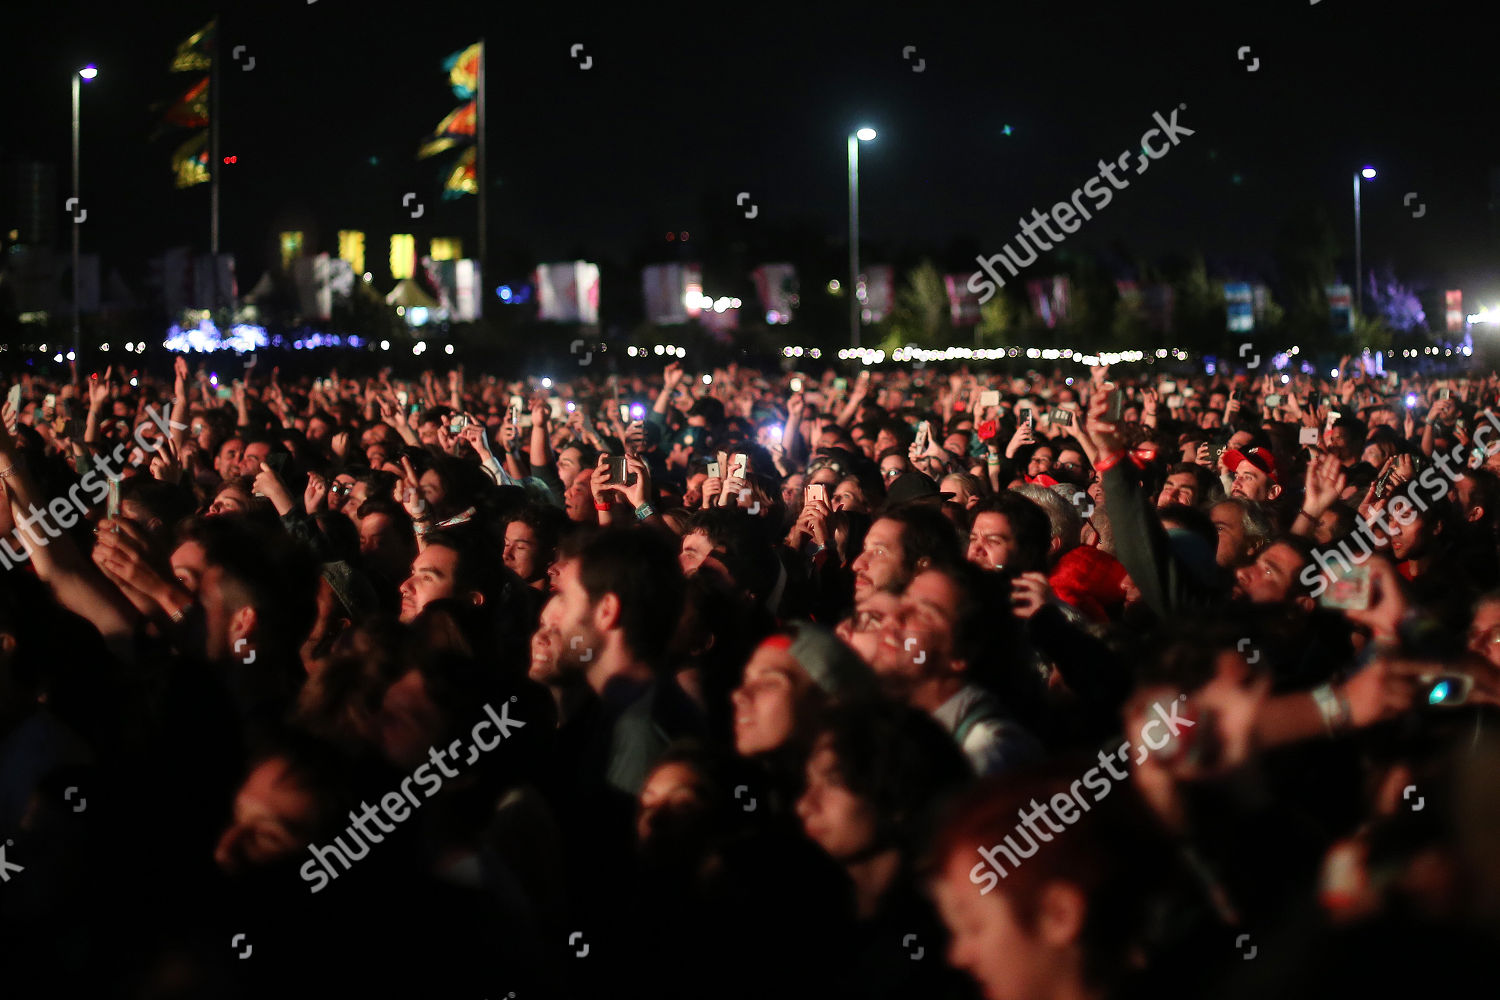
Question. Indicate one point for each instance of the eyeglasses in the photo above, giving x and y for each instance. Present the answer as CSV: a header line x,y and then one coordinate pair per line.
x,y
890,473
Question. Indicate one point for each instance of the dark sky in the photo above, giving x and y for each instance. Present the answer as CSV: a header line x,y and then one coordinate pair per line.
x,y
685,106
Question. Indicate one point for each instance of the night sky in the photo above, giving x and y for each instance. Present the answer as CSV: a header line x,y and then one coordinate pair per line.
x,y
685,106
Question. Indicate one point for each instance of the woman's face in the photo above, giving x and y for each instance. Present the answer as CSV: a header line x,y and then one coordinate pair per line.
x,y
229,501
988,940
850,496
765,703
672,789
834,818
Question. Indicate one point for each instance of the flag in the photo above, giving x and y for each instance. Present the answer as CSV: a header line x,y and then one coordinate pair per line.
x,y
197,53
463,71
191,109
461,178
451,131
190,162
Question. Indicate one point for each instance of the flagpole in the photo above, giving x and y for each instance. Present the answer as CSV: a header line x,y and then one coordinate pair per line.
x,y
213,160
480,163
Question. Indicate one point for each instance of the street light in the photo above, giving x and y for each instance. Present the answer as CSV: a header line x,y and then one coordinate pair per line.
x,y
862,135
1368,173
87,73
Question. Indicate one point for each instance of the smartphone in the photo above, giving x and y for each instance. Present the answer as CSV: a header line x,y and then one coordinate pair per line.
x,y
1382,482
517,405
1445,690
738,464
796,385
457,424
1167,386
403,399
990,397
112,505
817,491
1174,402
49,405
15,399
1062,418
1116,410
1348,591
840,385
1026,415
1308,436
1273,400
619,472
713,470
1445,394
924,435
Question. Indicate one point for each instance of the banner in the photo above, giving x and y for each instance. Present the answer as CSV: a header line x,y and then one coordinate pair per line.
x,y
314,295
458,127
197,53
776,284
1340,308
463,71
668,288
568,293
1239,307
1049,299
963,305
457,283
1453,300
460,180
190,162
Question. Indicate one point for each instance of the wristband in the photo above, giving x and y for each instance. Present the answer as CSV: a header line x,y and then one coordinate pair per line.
x,y
1303,513
1333,707
643,511
601,506
181,613
1108,462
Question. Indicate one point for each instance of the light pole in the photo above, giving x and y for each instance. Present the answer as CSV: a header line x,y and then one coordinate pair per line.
x,y
87,73
863,135
1368,173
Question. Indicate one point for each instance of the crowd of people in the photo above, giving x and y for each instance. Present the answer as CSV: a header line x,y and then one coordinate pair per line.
x,y
1063,685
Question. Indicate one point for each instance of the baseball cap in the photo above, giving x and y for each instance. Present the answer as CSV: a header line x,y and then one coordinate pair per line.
x,y
911,486
1259,458
833,666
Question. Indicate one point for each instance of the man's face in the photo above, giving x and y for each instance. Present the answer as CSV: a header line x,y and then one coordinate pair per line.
x,y
1180,487
862,630
579,498
318,430
692,494
1484,633
1336,439
570,614
521,555
1253,484
1210,420
864,442
381,546
1464,493
884,439
431,580
229,501
427,432
338,499
765,703
255,453
1271,577
273,819
671,793
1326,526
917,641
696,549
992,543
1229,523
219,612
227,465
569,461
881,566
188,565
833,817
